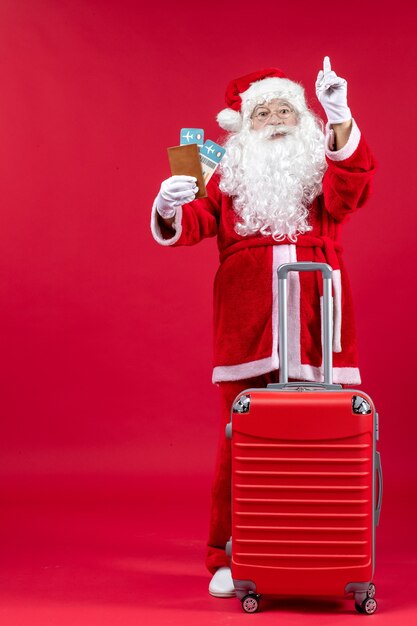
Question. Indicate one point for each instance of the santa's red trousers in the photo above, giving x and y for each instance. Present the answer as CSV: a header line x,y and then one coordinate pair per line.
x,y
220,513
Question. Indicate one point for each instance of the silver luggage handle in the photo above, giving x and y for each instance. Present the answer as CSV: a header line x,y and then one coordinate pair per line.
x,y
326,271
304,384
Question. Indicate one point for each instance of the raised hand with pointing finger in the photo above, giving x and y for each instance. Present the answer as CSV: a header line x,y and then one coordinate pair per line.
x,y
331,91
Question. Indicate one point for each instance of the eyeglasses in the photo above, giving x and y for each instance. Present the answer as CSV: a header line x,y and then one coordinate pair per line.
x,y
264,114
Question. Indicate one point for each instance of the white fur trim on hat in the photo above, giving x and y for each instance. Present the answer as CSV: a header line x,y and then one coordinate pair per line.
x,y
230,120
270,88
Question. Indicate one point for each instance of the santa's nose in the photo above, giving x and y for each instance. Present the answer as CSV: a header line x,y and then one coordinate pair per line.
x,y
274,119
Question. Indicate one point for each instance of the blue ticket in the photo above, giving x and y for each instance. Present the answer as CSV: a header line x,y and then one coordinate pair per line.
x,y
210,156
192,135
212,151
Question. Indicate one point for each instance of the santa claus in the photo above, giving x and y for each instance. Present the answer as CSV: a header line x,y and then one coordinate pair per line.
x,y
284,189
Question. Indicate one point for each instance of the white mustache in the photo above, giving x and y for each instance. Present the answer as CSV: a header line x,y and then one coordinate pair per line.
x,y
271,131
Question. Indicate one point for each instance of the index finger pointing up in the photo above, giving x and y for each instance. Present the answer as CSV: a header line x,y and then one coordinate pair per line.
x,y
326,65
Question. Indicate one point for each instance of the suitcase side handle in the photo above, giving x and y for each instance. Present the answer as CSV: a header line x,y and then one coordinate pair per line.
x,y
326,271
378,467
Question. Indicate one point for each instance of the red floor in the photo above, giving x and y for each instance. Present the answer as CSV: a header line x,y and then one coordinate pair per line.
x,y
128,552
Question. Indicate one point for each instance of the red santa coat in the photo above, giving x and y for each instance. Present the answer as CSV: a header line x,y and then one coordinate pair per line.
x,y
246,289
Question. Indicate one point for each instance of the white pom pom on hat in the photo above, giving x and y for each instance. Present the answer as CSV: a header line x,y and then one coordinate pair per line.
x,y
244,93
230,120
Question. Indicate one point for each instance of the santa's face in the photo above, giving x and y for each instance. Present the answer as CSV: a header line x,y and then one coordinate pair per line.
x,y
274,113
272,182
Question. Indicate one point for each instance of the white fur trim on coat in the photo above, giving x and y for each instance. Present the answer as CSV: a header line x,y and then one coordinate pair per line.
x,y
348,149
337,311
245,370
341,375
156,229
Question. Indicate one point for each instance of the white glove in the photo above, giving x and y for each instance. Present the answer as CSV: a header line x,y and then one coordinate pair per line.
x,y
332,94
175,192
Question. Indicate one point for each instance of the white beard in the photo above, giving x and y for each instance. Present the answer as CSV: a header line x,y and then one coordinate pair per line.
x,y
274,181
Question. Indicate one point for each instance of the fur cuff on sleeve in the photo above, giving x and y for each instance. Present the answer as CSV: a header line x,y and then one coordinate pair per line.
x,y
156,228
348,149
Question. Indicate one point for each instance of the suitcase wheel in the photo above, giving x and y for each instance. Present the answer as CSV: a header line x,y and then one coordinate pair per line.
x,y
368,606
371,591
250,603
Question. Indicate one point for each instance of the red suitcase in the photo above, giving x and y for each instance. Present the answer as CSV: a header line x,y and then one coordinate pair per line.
x,y
304,481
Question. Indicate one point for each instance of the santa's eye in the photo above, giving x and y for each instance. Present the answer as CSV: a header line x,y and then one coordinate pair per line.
x,y
262,114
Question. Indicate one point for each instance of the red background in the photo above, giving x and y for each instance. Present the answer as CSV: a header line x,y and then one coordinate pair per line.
x,y
109,418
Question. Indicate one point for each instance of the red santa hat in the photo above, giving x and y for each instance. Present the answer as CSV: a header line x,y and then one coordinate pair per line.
x,y
245,93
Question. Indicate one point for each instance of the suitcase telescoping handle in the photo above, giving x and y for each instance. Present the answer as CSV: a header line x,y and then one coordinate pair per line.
x,y
326,271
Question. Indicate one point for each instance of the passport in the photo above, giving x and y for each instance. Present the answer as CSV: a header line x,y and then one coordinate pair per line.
x,y
185,160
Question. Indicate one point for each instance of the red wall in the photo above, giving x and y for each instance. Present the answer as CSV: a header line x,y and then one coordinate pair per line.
x,y
105,338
